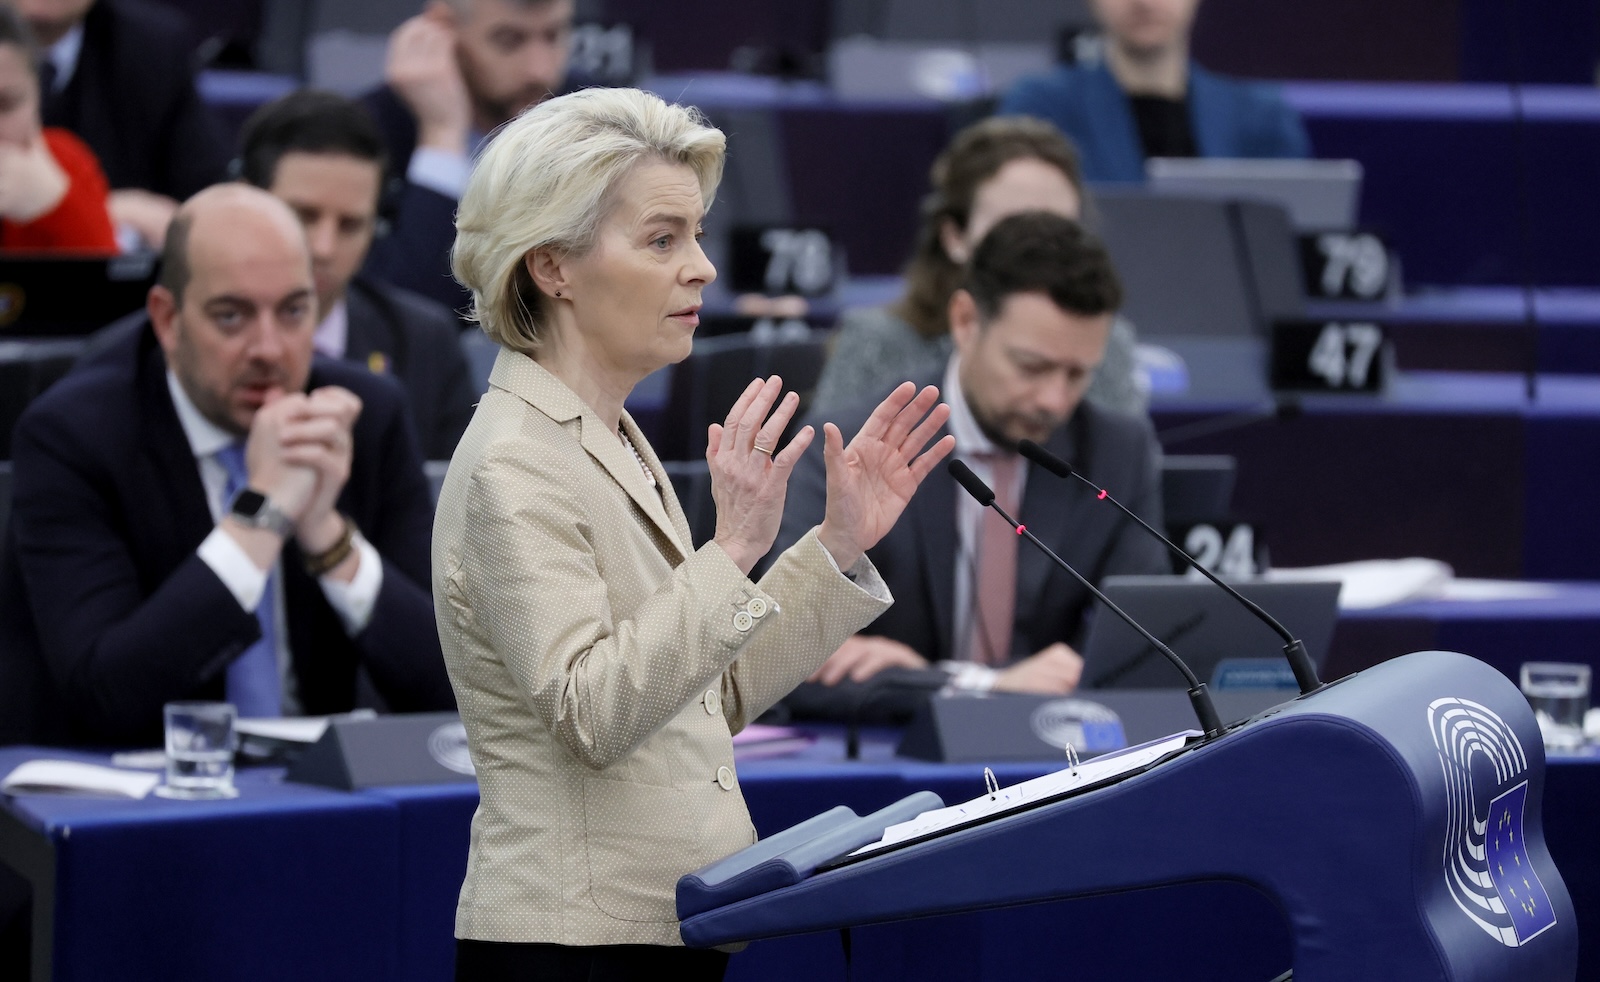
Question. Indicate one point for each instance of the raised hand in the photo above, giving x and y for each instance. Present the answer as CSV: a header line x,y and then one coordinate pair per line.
x,y
421,67
871,480
749,475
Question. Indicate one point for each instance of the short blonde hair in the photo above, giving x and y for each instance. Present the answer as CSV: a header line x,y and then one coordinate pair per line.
x,y
546,182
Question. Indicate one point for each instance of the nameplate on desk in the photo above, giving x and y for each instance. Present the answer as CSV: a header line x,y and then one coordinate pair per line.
x,y
1346,265
1225,547
1328,356
408,748
777,260
1012,727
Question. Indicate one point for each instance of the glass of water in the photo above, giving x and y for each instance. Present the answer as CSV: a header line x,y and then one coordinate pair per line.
x,y
1559,695
200,746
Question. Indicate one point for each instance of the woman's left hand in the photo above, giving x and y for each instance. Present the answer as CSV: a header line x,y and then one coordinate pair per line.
x,y
871,480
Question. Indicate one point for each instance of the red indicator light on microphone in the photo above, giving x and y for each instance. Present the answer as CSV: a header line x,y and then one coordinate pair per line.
x,y
1102,495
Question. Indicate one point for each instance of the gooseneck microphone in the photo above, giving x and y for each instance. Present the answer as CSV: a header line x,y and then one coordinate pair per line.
x,y
1305,671
1199,698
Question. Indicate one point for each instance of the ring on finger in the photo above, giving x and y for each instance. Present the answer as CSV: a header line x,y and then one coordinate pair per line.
x,y
766,450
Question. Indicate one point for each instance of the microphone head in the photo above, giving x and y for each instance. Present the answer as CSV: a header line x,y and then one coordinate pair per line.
x,y
1044,458
973,484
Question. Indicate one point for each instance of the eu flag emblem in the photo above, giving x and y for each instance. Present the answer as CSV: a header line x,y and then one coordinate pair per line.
x,y
1510,869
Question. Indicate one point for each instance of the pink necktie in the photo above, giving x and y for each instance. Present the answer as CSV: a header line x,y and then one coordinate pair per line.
x,y
996,587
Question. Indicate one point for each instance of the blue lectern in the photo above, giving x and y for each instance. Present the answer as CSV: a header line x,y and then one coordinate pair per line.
x,y
1395,817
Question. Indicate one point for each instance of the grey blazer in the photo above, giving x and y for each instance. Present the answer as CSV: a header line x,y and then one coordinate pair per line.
x,y
601,667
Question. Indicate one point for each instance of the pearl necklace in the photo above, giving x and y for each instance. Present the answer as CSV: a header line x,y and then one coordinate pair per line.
x,y
649,475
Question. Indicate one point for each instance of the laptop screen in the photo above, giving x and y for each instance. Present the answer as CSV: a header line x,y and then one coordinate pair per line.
x,y
1203,625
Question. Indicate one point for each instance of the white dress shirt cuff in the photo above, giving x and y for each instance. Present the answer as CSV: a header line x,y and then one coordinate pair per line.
x,y
969,676
234,567
439,170
353,601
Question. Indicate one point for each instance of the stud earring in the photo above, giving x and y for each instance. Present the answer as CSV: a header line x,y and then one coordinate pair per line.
x,y
558,293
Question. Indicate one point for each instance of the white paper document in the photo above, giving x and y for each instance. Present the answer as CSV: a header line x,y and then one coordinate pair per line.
x,y
1018,796
74,776
290,729
1372,583
293,729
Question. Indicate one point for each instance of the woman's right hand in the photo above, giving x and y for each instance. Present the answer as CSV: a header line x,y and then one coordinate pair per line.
x,y
31,182
749,485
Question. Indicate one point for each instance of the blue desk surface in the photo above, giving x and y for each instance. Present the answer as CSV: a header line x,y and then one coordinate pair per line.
x,y
285,881
288,881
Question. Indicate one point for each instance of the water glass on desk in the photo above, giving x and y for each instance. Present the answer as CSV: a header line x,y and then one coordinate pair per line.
x,y
200,746
1559,695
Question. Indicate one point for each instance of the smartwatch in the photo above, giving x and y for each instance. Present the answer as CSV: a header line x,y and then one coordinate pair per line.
x,y
255,510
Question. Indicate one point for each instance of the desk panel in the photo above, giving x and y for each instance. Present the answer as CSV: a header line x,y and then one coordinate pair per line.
x,y
1461,468
1427,149
292,882
283,882
435,824
1562,625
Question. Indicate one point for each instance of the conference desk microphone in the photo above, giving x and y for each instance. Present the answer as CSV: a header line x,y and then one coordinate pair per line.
x,y
1294,650
1199,697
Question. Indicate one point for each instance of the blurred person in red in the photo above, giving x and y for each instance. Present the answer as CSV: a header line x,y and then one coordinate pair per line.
x,y
52,191
120,75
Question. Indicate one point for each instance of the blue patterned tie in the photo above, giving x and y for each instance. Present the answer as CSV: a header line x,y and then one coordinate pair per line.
x,y
253,677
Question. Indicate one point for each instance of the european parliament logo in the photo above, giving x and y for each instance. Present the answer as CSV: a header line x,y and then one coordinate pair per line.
x,y
1486,862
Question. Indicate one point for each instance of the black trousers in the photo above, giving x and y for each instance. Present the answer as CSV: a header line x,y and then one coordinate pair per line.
x,y
497,961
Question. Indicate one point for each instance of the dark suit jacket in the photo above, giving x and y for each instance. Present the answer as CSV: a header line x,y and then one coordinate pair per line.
x,y
415,252
418,342
1229,117
918,557
132,98
106,612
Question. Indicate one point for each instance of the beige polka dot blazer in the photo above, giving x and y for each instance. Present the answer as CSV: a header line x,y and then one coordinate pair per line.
x,y
601,667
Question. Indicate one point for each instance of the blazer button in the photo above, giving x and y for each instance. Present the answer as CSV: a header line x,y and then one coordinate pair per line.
x,y
742,621
713,702
757,607
725,777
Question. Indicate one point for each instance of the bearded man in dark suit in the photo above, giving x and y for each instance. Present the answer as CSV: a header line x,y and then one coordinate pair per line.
x,y
1030,327
455,72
